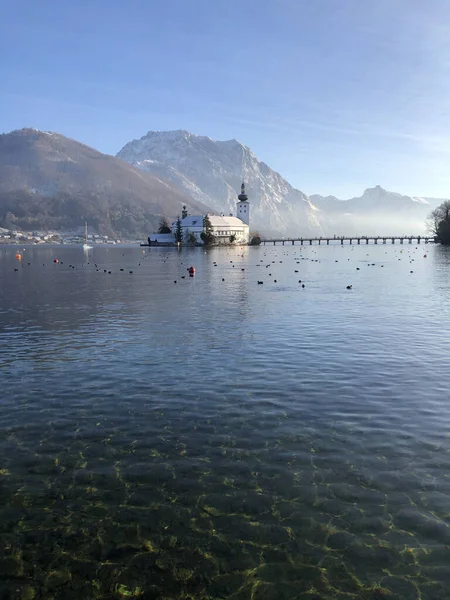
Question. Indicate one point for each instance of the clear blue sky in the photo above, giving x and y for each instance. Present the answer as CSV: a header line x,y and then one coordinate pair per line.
x,y
336,95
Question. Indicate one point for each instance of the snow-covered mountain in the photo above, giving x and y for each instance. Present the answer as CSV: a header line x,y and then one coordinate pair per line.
x,y
211,172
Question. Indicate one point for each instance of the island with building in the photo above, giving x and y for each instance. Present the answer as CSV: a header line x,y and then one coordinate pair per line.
x,y
207,229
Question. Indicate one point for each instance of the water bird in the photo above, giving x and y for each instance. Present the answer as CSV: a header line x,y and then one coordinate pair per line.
x,y
349,287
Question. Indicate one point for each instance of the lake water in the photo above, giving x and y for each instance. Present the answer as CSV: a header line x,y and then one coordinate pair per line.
x,y
219,439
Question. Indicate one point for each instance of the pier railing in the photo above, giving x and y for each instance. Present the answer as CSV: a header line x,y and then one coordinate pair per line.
x,y
382,239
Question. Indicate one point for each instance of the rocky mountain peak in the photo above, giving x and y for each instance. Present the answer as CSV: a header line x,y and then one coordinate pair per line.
x,y
212,171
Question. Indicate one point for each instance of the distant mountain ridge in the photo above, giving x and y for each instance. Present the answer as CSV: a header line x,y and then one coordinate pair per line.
x,y
377,211
372,199
212,171
49,181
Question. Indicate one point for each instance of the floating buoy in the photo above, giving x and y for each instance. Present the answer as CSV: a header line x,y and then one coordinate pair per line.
x,y
19,256
191,271
424,255
55,260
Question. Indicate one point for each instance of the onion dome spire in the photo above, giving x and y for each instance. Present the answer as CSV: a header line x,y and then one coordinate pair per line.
x,y
243,196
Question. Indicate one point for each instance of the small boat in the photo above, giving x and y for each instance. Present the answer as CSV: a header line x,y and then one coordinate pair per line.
x,y
86,245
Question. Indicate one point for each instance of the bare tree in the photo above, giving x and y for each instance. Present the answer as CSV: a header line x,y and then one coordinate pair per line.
x,y
432,222
438,221
164,226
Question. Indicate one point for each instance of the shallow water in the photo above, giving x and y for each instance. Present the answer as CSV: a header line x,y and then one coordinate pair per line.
x,y
224,439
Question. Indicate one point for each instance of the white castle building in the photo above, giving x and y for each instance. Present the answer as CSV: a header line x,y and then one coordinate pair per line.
x,y
223,228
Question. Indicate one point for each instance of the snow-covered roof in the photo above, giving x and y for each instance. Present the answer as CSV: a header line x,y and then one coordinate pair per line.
x,y
192,221
216,221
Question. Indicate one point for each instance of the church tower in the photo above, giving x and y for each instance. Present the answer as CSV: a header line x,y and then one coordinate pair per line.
x,y
243,206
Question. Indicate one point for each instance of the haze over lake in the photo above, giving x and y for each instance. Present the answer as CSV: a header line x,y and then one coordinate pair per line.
x,y
215,438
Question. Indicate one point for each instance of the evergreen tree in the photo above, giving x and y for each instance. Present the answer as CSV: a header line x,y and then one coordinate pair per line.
x,y
190,238
207,233
178,231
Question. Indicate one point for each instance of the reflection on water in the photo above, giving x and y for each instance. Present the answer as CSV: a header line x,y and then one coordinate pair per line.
x,y
216,438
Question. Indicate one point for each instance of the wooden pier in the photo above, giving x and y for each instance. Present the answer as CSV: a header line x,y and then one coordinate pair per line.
x,y
409,239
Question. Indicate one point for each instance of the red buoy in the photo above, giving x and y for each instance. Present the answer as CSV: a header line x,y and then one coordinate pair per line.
x,y
56,260
191,271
